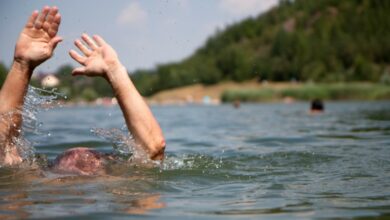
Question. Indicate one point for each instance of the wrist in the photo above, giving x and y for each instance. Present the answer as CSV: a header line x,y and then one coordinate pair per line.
x,y
115,72
22,65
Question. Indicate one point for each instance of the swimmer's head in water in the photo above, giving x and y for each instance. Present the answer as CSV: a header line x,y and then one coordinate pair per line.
x,y
81,161
317,105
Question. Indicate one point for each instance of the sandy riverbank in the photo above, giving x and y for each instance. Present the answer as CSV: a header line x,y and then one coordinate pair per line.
x,y
199,93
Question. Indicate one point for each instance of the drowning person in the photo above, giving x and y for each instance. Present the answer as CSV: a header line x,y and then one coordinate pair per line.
x,y
35,45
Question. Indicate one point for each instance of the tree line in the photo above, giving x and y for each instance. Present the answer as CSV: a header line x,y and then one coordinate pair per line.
x,y
302,40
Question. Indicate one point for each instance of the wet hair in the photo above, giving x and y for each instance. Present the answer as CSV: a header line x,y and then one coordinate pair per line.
x,y
82,161
317,105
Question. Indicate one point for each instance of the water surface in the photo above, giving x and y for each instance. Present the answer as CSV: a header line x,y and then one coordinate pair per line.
x,y
271,161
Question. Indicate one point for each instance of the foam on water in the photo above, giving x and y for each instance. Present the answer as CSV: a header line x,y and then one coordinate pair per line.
x,y
124,145
192,162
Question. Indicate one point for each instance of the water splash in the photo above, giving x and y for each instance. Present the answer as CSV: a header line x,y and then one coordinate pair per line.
x,y
123,143
35,101
192,162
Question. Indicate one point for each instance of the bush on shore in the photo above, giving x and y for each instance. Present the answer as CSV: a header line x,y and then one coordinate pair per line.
x,y
338,91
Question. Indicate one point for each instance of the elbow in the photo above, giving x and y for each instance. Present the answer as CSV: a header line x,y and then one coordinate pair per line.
x,y
158,150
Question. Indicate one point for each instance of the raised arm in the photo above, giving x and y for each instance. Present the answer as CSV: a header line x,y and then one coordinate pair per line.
x,y
36,44
100,59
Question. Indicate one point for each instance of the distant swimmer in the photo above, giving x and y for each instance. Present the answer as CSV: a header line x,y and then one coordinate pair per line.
x,y
35,45
236,104
317,106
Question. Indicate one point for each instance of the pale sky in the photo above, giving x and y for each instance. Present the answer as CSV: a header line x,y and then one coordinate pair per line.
x,y
143,32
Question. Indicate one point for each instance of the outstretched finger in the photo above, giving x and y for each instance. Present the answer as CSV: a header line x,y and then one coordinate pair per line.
x,y
79,71
50,18
42,17
99,40
80,59
89,41
54,25
82,48
52,13
31,20
54,42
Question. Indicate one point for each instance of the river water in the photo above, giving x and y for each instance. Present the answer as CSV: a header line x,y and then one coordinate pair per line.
x,y
272,161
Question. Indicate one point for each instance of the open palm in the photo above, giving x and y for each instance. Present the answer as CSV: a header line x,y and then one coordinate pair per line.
x,y
99,57
39,37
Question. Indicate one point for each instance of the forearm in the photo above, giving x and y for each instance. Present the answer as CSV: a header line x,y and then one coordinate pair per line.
x,y
15,87
139,118
11,99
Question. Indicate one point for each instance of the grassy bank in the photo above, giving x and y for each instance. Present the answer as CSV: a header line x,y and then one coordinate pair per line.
x,y
339,91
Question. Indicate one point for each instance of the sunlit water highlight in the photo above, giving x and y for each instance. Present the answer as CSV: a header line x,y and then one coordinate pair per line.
x,y
271,161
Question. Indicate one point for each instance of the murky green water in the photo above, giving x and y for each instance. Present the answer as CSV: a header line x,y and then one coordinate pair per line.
x,y
271,161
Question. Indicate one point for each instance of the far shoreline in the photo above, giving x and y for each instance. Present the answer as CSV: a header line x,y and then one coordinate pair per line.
x,y
254,92
257,92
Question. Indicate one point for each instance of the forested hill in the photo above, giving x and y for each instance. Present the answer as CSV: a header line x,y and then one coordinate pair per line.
x,y
304,40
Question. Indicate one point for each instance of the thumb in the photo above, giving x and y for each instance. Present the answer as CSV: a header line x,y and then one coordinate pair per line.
x,y
79,71
54,42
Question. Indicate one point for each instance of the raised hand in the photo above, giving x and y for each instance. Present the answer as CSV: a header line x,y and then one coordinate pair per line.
x,y
39,37
99,57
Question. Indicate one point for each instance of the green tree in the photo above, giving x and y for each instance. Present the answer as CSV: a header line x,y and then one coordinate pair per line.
x,y
363,69
321,43
88,94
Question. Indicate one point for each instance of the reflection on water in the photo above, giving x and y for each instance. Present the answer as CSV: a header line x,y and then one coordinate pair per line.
x,y
259,161
32,193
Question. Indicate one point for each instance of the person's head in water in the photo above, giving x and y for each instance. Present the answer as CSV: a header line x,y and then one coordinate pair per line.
x,y
236,104
317,106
